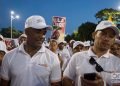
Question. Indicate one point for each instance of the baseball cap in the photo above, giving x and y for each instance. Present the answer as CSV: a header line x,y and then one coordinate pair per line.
x,y
72,41
61,41
23,35
76,43
87,43
117,41
107,24
37,22
3,47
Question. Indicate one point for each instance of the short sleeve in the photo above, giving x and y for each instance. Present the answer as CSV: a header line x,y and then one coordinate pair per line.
x,y
56,70
70,69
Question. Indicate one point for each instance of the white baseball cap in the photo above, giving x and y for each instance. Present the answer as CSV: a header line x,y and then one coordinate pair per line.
x,y
3,47
61,41
37,22
117,41
76,43
72,41
107,24
23,35
87,43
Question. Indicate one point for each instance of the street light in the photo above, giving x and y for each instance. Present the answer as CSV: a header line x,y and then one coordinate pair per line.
x,y
118,7
13,16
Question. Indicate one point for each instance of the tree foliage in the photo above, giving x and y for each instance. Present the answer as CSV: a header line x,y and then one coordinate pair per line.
x,y
85,31
106,13
6,32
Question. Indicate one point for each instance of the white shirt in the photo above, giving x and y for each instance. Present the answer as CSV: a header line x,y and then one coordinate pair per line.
x,y
40,70
65,56
3,46
70,50
79,64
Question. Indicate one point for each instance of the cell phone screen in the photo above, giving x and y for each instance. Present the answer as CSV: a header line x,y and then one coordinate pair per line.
x,y
90,76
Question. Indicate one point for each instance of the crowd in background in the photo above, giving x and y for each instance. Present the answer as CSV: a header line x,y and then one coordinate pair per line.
x,y
68,55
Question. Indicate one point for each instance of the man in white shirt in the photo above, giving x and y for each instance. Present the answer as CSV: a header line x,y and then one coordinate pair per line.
x,y
103,63
64,54
31,64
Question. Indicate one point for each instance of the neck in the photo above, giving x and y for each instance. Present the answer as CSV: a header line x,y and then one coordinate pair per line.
x,y
31,50
53,50
98,52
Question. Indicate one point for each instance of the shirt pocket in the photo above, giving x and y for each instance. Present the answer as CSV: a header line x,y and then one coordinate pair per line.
x,y
41,70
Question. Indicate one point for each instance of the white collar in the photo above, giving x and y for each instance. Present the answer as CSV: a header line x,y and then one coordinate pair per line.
x,y
21,48
91,53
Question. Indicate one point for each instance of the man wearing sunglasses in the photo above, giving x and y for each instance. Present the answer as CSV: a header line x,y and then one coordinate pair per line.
x,y
97,61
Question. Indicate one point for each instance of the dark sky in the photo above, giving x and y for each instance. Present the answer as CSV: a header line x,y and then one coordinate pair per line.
x,y
75,11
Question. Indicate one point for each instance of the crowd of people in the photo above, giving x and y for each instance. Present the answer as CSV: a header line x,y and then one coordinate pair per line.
x,y
36,62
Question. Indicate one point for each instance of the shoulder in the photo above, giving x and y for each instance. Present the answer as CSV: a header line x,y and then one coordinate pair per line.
x,y
80,55
114,58
9,54
50,53
8,57
52,57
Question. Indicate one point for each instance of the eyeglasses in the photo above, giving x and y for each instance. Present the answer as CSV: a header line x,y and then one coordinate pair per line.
x,y
98,67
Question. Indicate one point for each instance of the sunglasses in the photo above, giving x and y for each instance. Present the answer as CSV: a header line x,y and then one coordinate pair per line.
x,y
98,67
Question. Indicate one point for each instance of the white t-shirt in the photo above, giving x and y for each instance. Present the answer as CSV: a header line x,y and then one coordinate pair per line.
x,y
65,56
79,65
70,50
40,70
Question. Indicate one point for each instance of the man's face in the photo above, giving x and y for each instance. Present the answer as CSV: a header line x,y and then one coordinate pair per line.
x,y
104,39
22,39
61,46
53,45
79,48
115,49
35,37
2,53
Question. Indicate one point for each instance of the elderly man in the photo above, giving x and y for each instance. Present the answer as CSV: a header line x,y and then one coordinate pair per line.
x,y
95,66
31,64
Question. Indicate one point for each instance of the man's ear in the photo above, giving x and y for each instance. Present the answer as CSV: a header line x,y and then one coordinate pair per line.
x,y
26,31
93,35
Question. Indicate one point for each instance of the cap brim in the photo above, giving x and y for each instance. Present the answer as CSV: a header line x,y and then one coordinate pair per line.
x,y
49,27
116,30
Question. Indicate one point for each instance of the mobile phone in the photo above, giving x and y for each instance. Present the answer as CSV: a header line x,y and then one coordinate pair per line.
x,y
90,76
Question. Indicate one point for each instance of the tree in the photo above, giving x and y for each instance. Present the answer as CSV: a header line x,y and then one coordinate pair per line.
x,y
6,32
68,38
85,31
108,13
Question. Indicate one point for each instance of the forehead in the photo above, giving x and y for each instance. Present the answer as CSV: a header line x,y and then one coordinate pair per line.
x,y
53,41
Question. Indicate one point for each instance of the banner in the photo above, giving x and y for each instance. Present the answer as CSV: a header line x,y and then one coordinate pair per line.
x,y
11,43
59,24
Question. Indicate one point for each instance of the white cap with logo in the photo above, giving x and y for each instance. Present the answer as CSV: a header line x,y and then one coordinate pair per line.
x,y
76,43
107,24
37,22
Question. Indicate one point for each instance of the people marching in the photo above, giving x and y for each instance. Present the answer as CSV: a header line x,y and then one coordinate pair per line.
x,y
37,62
